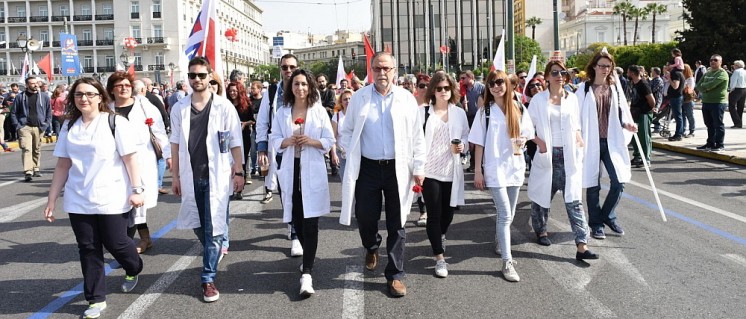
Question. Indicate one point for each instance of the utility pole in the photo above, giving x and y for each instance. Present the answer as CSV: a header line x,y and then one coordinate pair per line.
x,y
510,49
556,26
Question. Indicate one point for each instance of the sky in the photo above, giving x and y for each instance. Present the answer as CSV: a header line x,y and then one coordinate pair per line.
x,y
316,16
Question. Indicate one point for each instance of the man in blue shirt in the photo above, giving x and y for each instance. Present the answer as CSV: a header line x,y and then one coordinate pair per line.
x,y
474,90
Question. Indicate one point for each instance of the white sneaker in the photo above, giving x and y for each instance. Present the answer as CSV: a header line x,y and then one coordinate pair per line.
x,y
509,271
94,310
296,249
441,268
306,285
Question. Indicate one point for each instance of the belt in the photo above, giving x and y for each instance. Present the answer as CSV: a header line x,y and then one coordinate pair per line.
x,y
381,162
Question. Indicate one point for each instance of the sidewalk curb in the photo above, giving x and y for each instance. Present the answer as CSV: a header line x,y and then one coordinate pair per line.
x,y
711,155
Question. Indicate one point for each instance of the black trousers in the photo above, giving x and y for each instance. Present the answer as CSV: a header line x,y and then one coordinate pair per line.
x,y
307,229
736,101
246,135
94,233
437,196
376,182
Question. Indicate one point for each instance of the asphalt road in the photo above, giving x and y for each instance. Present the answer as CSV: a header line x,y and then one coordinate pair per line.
x,y
692,266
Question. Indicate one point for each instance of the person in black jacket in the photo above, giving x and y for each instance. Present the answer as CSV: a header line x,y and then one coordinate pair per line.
x,y
327,100
642,104
31,116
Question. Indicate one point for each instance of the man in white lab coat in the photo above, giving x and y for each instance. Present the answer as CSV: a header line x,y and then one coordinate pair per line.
x,y
385,145
206,154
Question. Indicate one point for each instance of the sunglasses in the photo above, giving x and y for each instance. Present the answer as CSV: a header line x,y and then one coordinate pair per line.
x,y
288,67
443,88
495,83
193,76
522,77
213,82
559,72
534,86
422,85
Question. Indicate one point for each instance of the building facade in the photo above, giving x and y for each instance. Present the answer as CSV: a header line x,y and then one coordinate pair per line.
x,y
415,30
350,52
161,27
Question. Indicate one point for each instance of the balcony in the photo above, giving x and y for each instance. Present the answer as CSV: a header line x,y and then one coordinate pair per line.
x,y
105,42
157,15
39,19
154,67
102,17
134,15
12,45
110,68
139,40
16,19
138,67
85,43
59,18
56,44
152,40
89,69
83,17
4,71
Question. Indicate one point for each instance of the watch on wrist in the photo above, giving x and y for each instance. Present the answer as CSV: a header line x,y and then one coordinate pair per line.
x,y
138,190
238,174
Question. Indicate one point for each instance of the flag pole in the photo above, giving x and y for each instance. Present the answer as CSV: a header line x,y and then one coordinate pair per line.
x,y
650,178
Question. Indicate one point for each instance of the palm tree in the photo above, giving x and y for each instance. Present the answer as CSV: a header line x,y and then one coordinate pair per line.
x,y
638,13
533,22
623,9
655,9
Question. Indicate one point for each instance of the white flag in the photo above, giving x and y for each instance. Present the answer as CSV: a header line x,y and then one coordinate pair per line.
x,y
24,70
341,75
498,63
531,72
35,69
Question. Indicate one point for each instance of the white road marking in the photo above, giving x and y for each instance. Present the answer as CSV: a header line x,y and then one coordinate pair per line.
x,y
10,182
353,305
10,213
735,258
693,202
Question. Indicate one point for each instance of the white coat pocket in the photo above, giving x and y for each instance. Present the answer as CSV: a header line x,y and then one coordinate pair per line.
x,y
542,160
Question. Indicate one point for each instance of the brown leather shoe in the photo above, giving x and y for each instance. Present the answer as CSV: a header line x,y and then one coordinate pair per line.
x,y
397,288
371,260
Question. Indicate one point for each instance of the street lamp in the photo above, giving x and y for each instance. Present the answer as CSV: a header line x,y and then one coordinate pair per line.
x,y
28,45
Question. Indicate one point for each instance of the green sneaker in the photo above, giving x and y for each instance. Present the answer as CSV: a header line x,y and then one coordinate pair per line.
x,y
94,310
129,283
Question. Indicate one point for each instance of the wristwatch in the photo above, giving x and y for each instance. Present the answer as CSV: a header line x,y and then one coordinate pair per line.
x,y
138,190
238,174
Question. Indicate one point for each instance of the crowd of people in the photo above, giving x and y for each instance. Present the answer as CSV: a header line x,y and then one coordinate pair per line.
x,y
392,142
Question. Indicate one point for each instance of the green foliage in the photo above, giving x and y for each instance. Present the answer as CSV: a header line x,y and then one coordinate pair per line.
x,y
648,55
525,49
716,27
261,71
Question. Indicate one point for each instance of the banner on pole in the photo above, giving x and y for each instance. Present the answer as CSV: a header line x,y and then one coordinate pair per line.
x,y
70,64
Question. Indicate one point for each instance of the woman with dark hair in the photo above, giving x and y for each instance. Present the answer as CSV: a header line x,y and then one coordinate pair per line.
x,y
237,96
607,128
533,87
446,131
97,166
500,129
558,166
255,97
302,132
144,118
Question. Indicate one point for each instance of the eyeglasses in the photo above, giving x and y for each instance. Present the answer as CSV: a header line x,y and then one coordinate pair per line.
x,y
560,72
384,69
522,77
443,88
89,95
534,86
213,82
603,66
496,82
193,76
422,86
122,86
288,67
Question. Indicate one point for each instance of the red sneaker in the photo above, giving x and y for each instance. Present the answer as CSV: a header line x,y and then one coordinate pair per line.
x,y
210,293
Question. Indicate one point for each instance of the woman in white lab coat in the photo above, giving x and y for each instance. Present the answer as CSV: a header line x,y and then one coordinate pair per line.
x,y
501,142
303,134
558,162
446,131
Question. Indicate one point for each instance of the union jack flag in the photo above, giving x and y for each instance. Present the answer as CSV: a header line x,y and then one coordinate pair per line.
x,y
203,39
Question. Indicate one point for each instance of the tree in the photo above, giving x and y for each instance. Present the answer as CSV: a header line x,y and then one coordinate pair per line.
x,y
638,13
715,27
533,22
655,9
267,72
525,49
623,9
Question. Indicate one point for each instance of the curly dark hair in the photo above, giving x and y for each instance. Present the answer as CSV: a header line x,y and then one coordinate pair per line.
x,y
313,93
242,101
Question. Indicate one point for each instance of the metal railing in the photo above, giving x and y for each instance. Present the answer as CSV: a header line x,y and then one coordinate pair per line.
x,y
152,40
83,17
104,17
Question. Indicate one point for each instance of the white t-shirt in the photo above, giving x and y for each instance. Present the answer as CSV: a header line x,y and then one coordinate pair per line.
x,y
97,183
338,118
555,121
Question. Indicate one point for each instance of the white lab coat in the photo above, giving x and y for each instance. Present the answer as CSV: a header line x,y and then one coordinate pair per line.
x,y
223,117
618,137
540,180
409,151
313,179
458,128
262,133
146,160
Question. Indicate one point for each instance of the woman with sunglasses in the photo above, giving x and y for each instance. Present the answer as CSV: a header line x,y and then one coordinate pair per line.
x,y
144,118
97,166
302,131
216,85
534,86
446,131
607,127
500,165
338,156
558,166
423,82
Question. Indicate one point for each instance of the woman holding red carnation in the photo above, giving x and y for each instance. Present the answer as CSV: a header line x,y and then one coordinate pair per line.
x,y
302,128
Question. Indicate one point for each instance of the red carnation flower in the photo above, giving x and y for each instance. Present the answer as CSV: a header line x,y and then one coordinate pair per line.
x,y
299,121
149,121
417,189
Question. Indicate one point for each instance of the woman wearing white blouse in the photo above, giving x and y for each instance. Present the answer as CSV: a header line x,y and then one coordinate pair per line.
x,y
558,163
303,133
97,166
504,166
446,131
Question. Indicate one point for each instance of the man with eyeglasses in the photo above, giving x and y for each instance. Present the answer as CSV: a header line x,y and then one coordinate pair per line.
x,y
385,144
32,114
473,91
207,166
714,89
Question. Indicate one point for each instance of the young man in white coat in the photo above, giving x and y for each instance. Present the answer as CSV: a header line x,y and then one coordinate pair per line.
x,y
385,147
206,161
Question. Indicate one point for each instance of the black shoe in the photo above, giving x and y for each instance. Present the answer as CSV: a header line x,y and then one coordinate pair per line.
x,y
675,138
705,147
237,196
737,126
585,255
615,228
28,178
37,174
544,241
718,148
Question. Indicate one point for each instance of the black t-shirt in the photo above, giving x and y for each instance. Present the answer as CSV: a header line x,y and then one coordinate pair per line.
x,y
255,104
32,118
198,141
639,105
125,110
676,76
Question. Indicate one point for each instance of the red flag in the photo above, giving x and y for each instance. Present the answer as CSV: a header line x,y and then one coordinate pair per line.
x,y
350,76
131,70
46,65
368,55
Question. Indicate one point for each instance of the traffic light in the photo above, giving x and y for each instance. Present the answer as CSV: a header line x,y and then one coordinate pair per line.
x,y
353,53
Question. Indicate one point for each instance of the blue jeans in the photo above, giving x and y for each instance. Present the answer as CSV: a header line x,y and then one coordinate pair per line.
x,y
161,172
688,108
211,244
675,103
712,114
505,199
598,215
253,165
342,164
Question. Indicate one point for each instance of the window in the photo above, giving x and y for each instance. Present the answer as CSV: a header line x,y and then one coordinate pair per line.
x,y
109,34
2,36
157,30
109,61
88,61
87,35
136,31
135,7
156,5
64,10
601,37
159,58
2,11
138,59
44,37
21,10
107,9
85,10
43,11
